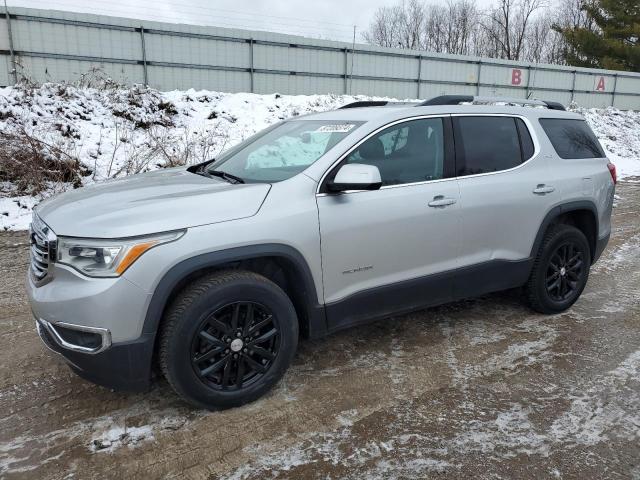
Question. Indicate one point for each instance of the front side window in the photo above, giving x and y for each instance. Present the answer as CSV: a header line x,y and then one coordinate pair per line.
x,y
486,144
283,151
408,152
572,138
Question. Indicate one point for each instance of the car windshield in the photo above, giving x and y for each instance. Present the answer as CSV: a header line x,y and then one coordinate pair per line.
x,y
282,151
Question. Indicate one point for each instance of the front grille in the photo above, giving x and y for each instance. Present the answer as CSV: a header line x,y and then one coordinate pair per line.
x,y
43,243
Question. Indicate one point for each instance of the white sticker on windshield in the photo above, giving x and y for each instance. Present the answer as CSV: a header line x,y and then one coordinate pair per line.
x,y
340,128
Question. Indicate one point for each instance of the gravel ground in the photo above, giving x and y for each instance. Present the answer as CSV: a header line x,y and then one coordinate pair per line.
x,y
479,389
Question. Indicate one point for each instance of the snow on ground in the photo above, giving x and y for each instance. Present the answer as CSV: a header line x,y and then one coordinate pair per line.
x,y
116,131
619,134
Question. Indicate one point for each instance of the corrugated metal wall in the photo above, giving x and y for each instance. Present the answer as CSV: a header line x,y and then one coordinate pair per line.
x,y
54,46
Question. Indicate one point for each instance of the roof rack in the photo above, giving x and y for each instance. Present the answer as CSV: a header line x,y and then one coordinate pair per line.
x,y
368,103
375,103
457,99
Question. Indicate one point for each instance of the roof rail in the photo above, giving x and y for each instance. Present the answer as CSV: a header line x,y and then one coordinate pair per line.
x,y
554,105
447,100
365,103
457,99
375,103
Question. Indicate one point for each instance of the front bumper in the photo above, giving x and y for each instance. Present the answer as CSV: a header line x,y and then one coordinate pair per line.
x,y
113,304
96,325
119,366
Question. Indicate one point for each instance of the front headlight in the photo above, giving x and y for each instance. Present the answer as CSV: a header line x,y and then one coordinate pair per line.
x,y
107,258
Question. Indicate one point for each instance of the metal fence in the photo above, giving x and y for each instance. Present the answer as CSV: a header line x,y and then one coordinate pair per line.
x,y
47,45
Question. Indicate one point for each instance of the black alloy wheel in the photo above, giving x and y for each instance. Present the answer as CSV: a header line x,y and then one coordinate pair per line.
x,y
227,338
565,271
560,270
235,345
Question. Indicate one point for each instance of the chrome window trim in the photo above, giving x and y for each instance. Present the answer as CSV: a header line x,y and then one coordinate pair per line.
x,y
105,336
367,137
532,132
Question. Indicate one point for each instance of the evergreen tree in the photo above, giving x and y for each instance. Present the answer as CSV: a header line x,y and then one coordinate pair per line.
x,y
615,44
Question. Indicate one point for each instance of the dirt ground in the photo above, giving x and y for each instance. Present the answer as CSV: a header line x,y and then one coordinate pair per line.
x,y
479,389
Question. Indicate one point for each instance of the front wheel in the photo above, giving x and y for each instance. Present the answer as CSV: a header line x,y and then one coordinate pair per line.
x,y
227,339
560,271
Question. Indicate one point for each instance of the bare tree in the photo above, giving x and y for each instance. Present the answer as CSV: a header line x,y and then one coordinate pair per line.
x,y
511,29
384,28
463,18
538,40
398,26
507,26
413,18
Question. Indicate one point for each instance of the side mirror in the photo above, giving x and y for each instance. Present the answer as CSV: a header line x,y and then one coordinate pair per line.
x,y
356,176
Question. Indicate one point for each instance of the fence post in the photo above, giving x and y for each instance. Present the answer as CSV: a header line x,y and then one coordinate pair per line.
x,y
346,69
529,71
478,77
573,86
419,74
145,74
615,85
14,70
251,42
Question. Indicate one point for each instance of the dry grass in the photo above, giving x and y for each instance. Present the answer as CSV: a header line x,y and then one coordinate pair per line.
x,y
31,166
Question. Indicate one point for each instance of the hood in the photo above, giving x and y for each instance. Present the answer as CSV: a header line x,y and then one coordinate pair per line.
x,y
150,203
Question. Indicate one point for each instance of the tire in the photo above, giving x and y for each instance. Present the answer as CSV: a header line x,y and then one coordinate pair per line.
x,y
556,281
214,363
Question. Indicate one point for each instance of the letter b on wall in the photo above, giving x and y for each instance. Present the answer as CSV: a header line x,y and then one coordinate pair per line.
x,y
516,76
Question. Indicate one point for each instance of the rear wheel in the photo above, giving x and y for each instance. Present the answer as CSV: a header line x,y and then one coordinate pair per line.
x,y
560,271
227,339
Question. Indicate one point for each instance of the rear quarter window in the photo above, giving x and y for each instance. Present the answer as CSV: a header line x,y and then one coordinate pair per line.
x,y
486,144
572,138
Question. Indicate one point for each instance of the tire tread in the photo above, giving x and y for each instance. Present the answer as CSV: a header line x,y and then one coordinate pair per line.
x,y
532,290
176,311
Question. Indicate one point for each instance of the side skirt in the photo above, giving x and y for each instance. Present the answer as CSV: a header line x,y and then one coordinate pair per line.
x,y
431,290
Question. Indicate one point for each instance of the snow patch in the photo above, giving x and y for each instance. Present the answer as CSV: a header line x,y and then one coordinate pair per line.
x,y
608,404
116,437
120,131
15,212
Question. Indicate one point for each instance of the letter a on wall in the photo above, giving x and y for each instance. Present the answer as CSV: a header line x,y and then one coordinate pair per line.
x,y
600,85
516,76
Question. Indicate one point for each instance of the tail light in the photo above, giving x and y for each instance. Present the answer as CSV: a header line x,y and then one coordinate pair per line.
x,y
612,171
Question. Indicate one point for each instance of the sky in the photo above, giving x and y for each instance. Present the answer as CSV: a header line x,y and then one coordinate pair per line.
x,y
330,19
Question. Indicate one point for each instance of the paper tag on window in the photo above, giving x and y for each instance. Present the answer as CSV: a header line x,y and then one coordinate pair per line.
x,y
340,128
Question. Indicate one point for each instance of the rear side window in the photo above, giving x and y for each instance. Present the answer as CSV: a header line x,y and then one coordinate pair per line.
x,y
526,144
572,138
486,144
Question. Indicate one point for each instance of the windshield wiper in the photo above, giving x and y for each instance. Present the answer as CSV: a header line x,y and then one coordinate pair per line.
x,y
227,176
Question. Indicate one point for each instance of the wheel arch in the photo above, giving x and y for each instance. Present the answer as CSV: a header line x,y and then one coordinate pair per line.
x,y
581,214
299,283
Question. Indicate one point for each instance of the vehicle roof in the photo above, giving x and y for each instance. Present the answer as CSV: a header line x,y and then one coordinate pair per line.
x,y
396,112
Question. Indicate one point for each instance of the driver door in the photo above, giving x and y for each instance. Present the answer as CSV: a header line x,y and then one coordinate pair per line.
x,y
393,249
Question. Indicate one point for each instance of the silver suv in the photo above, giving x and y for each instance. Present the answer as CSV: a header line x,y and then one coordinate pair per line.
x,y
318,223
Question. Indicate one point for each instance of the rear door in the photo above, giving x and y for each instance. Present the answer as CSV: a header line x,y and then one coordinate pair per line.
x,y
505,192
383,250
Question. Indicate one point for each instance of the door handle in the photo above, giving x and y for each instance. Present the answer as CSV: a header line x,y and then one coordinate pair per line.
x,y
441,201
543,189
